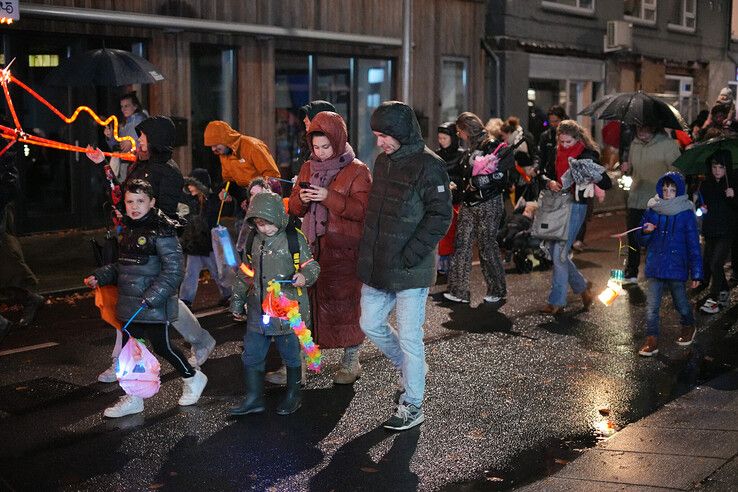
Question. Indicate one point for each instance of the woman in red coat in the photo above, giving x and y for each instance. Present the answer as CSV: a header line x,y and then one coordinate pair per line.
x,y
331,196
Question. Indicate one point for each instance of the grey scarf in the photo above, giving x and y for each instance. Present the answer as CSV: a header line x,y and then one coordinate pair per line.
x,y
670,207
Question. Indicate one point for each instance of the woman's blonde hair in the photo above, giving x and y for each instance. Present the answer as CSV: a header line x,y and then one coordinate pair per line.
x,y
493,127
573,129
471,124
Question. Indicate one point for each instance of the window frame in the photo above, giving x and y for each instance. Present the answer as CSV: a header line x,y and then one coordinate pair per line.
x,y
569,9
683,28
640,18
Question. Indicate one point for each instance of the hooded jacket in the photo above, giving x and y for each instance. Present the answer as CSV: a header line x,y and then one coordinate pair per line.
x,y
203,216
452,156
717,223
673,248
271,259
249,157
150,268
649,161
159,170
409,208
337,294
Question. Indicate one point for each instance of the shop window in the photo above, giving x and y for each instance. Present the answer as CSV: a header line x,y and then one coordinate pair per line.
x,y
640,11
678,92
213,95
454,87
585,7
684,16
374,85
355,86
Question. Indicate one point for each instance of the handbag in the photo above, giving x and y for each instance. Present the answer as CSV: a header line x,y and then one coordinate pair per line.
x,y
551,222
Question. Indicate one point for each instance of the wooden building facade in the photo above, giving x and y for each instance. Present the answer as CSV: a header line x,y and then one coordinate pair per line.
x,y
249,62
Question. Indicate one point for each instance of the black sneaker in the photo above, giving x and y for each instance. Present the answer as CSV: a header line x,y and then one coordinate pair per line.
x,y
406,417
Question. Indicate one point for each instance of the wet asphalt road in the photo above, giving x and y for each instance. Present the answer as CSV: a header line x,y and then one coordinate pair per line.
x,y
511,396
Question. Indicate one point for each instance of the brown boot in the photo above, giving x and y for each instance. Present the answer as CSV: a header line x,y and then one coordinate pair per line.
x,y
649,348
550,309
588,296
687,336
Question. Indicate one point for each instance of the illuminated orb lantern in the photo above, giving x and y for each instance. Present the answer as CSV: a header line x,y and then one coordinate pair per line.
x,y
614,288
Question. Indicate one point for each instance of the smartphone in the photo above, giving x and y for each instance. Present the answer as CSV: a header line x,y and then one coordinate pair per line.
x,y
304,185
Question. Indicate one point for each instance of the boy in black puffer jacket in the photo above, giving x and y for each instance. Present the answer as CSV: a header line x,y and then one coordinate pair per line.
x,y
148,272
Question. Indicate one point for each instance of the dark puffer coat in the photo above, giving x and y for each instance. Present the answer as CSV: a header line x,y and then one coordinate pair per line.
x,y
409,207
452,156
203,216
673,248
150,268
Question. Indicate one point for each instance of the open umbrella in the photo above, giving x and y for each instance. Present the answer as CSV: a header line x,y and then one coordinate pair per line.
x,y
693,160
636,108
105,67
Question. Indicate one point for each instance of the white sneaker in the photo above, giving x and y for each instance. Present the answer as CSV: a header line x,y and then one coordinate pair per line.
x,y
710,307
453,298
192,388
127,405
492,299
108,375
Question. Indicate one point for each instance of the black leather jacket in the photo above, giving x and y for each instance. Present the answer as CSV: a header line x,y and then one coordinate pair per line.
x,y
483,187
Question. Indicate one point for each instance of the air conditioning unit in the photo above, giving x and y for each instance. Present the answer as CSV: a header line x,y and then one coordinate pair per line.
x,y
619,36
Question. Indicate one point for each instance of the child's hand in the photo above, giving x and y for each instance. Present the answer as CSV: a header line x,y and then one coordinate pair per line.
x,y
298,280
554,186
649,227
729,193
95,155
695,284
91,281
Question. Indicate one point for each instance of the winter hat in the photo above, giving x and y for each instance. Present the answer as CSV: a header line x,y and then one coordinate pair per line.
x,y
312,108
160,133
200,178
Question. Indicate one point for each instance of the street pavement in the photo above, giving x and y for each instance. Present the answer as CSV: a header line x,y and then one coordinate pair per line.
x,y
512,397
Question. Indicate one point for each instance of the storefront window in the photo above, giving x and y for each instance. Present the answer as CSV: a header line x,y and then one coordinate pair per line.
x,y
355,86
454,88
213,92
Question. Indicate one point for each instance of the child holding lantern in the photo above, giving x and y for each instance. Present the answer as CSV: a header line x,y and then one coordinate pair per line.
x,y
671,237
270,259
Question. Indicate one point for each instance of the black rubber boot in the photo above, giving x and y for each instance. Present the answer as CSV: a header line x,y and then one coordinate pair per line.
x,y
292,399
254,401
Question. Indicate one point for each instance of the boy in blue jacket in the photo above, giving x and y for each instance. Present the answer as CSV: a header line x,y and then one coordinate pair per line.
x,y
670,234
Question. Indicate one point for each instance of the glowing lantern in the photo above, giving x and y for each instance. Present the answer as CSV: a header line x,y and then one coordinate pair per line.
x,y
614,288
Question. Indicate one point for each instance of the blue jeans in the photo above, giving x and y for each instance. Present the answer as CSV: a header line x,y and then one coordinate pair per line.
x,y
196,264
404,346
678,295
564,271
256,345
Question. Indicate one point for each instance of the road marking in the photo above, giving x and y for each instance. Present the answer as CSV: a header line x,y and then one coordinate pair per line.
x,y
28,348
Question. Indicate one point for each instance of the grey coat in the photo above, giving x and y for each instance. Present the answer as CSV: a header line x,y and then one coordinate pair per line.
x,y
150,268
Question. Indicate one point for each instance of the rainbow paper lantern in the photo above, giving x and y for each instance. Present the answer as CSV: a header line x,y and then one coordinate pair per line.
x,y
277,305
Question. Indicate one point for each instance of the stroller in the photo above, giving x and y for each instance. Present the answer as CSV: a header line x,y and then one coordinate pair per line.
x,y
515,238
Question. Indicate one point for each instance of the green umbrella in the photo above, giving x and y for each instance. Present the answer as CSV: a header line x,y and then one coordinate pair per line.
x,y
693,160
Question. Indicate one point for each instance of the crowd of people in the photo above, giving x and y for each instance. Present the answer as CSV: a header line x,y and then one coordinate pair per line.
x,y
352,245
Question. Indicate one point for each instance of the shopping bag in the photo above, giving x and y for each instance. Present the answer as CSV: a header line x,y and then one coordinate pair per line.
x,y
106,300
138,370
551,222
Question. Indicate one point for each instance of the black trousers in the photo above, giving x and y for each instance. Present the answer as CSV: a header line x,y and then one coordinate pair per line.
x,y
158,336
713,261
633,218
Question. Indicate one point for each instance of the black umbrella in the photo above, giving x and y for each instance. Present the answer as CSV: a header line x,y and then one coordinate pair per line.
x,y
636,108
106,67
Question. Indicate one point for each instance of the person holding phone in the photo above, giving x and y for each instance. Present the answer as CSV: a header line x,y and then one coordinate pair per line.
x,y
331,196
